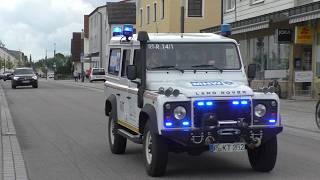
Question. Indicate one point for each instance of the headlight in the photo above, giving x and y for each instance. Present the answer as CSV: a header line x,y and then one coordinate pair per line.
x,y
260,110
180,112
34,77
15,78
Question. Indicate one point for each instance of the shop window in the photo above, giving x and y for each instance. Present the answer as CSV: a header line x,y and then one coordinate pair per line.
x,y
268,55
278,55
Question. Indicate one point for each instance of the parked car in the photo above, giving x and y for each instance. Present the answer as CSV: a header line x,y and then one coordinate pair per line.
x,y
24,77
7,75
97,74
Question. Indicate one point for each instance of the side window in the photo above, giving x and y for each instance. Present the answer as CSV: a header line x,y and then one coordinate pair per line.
x,y
114,61
125,62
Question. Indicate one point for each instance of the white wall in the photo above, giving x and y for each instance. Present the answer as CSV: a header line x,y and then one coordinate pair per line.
x,y
245,9
95,33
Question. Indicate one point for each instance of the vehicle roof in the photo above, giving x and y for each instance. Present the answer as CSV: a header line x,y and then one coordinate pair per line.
x,y
177,37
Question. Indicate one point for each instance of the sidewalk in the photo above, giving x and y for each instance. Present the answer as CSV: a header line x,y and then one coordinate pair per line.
x,y
12,165
298,114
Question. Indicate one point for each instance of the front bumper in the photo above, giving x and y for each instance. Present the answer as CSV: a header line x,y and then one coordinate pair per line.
x,y
206,136
28,82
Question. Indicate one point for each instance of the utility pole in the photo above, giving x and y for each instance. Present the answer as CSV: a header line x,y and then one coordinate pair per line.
x,y
46,65
182,20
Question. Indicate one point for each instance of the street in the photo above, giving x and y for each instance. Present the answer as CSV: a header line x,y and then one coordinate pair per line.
x,y
61,129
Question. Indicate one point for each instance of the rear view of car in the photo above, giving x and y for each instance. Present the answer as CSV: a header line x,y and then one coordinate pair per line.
x,y
24,77
97,74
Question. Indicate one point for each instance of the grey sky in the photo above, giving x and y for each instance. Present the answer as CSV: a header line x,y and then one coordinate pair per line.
x,y
33,26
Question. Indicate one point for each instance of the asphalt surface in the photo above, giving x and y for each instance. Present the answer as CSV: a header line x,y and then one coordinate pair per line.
x,y
62,133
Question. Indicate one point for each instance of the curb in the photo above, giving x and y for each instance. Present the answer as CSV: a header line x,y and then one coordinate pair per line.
x,y
12,164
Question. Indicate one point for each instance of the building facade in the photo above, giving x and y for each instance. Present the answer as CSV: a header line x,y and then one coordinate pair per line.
x,y
282,38
10,59
164,16
102,22
76,50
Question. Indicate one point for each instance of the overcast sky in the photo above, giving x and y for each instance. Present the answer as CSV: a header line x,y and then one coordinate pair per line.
x,y
33,26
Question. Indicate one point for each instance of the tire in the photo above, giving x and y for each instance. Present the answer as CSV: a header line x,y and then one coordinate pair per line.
x,y
117,143
155,153
35,86
13,86
263,158
317,114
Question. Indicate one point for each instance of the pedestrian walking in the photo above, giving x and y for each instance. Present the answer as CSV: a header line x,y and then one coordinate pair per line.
x,y
75,75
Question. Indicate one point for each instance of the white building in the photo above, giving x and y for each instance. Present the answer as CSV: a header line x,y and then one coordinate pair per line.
x,y
102,22
282,38
9,56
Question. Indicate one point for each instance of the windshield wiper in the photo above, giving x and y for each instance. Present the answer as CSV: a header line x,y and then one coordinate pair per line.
x,y
168,67
208,65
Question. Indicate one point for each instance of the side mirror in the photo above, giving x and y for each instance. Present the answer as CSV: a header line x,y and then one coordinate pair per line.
x,y
132,72
252,68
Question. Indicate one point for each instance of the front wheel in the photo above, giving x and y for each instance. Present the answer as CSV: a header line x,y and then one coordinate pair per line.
x,y
35,85
263,158
155,151
117,143
318,114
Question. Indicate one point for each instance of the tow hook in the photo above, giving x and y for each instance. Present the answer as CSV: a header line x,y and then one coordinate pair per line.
x,y
197,139
255,139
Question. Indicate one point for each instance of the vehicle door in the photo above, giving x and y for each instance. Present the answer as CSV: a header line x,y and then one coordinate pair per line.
x,y
118,84
133,115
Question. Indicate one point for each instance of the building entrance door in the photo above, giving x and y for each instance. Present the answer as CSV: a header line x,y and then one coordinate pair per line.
x,y
303,75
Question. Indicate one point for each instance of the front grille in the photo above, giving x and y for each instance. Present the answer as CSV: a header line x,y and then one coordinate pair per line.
x,y
220,110
25,78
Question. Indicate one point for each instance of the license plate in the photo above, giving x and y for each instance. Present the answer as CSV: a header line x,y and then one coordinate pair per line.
x,y
228,147
25,81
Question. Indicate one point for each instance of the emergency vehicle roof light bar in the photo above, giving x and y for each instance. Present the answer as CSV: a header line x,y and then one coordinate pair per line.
x,y
225,30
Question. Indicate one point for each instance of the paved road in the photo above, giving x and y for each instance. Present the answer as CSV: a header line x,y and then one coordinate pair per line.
x,y
61,130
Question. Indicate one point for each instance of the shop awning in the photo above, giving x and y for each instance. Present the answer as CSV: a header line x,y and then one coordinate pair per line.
x,y
251,27
304,17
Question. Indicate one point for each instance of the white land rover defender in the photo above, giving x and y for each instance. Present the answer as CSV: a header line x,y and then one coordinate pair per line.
x,y
187,93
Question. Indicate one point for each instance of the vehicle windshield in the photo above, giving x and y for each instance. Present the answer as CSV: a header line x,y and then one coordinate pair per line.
x,y
193,56
23,71
98,72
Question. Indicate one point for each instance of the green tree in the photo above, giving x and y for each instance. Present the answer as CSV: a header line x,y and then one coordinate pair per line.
x,y
9,65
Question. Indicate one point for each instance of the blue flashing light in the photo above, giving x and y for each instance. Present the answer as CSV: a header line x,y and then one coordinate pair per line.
x,y
186,123
200,103
244,102
272,121
117,31
235,102
128,30
225,29
169,124
209,103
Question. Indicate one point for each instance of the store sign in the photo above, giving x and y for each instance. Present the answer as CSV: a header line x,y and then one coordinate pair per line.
x,y
304,35
303,76
284,35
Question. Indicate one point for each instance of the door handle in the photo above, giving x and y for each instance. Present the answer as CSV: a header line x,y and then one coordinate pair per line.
x,y
118,94
128,97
